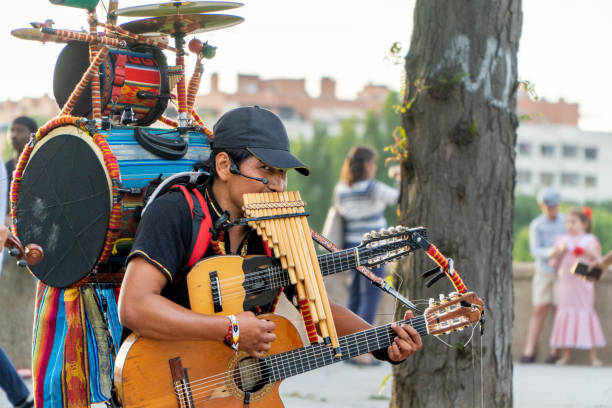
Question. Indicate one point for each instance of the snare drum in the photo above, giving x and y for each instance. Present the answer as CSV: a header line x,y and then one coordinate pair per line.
x,y
79,195
136,78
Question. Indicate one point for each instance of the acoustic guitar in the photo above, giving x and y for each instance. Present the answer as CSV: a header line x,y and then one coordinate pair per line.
x,y
231,284
207,374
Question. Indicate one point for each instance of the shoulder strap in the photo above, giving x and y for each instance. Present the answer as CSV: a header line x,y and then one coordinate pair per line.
x,y
201,224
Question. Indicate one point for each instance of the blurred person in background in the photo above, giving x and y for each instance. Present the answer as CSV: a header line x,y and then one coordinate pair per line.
x,y
543,231
16,391
576,324
361,200
19,134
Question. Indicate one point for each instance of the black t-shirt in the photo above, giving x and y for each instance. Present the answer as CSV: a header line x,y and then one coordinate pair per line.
x,y
164,240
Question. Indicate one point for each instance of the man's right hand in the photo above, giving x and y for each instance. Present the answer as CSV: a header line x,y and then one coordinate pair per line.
x,y
256,335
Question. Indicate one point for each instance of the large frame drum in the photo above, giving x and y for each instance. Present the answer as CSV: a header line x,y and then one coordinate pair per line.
x,y
79,195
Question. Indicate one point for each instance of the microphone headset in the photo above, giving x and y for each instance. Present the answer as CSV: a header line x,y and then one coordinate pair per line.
x,y
235,170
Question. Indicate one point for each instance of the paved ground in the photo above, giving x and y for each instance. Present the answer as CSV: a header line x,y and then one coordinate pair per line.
x,y
535,386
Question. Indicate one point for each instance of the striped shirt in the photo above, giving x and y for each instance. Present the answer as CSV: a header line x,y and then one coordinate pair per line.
x,y
362,205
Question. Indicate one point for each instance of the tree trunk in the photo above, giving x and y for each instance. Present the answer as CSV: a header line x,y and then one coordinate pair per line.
x,y
458,181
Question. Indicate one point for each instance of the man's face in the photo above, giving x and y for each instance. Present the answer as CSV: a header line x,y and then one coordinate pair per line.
x,y
252,166
20,135
550,211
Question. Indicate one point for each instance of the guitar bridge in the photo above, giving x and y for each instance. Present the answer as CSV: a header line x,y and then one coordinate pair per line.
x,y
182,386
215,289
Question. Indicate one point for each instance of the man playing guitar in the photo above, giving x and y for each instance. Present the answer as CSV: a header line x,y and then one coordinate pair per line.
x,y
250,154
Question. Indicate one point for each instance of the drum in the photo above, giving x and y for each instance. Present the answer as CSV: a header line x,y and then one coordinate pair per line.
x,y
135,79
79,195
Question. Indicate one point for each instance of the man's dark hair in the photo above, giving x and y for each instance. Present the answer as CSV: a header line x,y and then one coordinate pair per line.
x,y
236,155
28,122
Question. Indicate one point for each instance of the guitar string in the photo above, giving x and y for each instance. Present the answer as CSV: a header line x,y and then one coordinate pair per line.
x,y
356,338
201,391
308,349
336,265
422,323
302,354
277,279
367,336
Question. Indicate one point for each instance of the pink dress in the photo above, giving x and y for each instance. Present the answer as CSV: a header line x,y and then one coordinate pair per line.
x,y
576,323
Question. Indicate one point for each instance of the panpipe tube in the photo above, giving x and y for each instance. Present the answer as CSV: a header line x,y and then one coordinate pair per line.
x,y
269,228
319,277
272,236
301,267
315,303
306,267
84,37
78,90
309,314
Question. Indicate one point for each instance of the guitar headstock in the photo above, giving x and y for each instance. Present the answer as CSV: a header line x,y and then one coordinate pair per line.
x,y
389,244
453,312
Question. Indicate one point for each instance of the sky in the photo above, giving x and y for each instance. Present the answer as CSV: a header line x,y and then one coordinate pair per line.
x,y
564,48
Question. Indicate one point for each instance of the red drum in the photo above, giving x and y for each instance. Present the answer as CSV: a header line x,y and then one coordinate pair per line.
x,y
133,82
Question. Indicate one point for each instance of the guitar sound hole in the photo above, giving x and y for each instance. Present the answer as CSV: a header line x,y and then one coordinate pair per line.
x,y
250,374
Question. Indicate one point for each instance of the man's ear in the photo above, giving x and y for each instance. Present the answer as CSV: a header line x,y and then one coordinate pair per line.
x,y
223,163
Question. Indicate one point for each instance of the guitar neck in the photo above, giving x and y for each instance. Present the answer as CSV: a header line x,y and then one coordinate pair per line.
x,y
331,263
294,362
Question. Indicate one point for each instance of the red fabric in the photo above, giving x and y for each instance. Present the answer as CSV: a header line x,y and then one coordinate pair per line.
x,y
204,234
119,78
578,251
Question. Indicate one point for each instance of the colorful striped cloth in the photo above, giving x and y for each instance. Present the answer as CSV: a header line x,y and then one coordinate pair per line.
x,y
66,367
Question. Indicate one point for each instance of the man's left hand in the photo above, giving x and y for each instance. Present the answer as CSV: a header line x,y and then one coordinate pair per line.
x,y
407,342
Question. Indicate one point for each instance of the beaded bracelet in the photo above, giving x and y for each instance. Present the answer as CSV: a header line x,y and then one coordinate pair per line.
x,y
233,333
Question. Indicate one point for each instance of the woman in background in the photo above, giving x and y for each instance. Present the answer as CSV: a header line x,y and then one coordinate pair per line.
x,y
361,201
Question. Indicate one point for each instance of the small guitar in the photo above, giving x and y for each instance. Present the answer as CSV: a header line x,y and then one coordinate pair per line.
x,y
231,284
156,374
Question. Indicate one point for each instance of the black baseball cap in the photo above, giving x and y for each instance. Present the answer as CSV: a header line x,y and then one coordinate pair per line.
x,y
260,132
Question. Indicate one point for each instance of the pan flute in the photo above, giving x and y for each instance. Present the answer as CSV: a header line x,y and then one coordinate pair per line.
x,y
280,220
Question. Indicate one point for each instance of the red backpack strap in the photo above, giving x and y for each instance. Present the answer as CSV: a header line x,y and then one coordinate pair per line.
x,y
202,224
187,196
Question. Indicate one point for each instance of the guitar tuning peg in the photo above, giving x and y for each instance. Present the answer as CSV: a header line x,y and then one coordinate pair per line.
x,y
432,302
442,298
374,234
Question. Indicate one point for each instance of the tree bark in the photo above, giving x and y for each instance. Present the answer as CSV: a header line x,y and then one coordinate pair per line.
x,y
458,181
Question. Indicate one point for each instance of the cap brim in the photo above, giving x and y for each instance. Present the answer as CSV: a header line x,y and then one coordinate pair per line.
x,y
279,159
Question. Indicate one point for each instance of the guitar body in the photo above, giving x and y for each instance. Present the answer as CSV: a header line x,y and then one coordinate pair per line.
x,y
219,284
144,377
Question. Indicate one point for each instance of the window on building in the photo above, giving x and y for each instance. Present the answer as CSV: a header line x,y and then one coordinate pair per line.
x,y
547,150
590,181
569,151
524,149
590,153
523,177
570,179
547,179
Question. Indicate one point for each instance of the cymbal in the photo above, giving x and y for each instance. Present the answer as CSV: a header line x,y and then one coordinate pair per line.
x,y
176,7
182,23
34,34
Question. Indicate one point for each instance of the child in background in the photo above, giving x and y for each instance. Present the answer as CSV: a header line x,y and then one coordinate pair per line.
x,y
576,325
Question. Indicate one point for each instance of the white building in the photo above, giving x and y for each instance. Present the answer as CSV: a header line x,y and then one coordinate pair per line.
x,y
578,164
